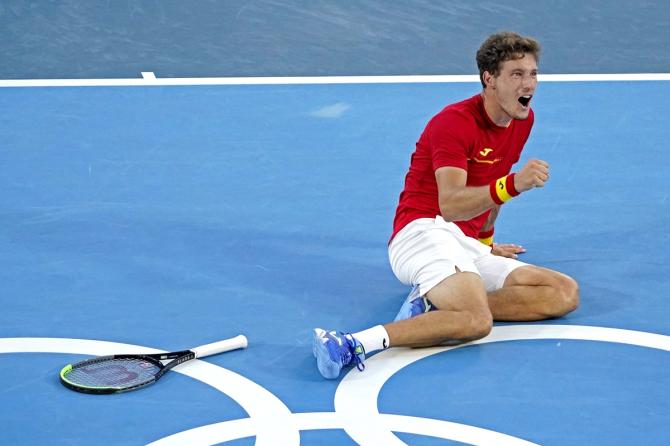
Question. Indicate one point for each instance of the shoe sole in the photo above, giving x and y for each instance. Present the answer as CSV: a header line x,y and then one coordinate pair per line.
x,y
326,366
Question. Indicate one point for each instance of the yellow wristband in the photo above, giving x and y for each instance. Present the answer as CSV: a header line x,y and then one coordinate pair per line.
x,y
501,189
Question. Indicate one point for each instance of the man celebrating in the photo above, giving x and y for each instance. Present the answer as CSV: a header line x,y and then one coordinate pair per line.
x,y
442,242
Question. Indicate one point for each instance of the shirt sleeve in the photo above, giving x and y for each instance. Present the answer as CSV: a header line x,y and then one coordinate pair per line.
x,y
448,142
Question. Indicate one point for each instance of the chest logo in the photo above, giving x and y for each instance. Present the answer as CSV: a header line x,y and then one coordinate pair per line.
x,y
485,158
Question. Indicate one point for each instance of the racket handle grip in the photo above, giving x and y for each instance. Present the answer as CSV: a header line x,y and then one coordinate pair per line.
x,y
239,341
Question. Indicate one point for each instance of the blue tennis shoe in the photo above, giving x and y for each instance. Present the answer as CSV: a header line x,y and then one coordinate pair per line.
x,y
334,351
414,304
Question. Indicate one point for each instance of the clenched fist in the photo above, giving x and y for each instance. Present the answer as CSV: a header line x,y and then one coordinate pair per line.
x,y
534,174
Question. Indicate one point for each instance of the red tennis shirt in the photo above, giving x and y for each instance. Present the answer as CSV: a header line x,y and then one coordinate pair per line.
x,y
462,135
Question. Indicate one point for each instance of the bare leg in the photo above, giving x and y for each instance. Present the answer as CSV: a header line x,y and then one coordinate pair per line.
x,y
531,293
462,315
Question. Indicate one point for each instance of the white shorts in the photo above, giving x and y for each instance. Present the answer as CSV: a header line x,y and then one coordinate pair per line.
x,y
427,251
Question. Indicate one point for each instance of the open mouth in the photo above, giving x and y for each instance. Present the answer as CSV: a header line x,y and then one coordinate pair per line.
x,y
525,100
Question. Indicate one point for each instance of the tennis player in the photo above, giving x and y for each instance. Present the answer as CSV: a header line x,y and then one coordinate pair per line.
x,y
442,242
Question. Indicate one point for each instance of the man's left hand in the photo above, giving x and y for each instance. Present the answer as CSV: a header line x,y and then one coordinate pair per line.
x,y
507,250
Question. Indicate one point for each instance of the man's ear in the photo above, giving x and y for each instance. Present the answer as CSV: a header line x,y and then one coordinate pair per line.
x,y
489,80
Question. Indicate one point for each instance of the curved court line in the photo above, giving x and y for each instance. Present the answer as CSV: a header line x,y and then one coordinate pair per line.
x,y
355,399
236,429
262,406
358,392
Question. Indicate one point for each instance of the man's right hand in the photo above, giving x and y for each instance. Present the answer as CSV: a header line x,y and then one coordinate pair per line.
x,y
534,174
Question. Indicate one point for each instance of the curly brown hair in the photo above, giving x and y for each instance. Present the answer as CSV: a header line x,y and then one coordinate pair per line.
x,y
501,47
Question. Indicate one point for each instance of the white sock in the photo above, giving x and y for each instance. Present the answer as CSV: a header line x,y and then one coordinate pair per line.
x,y
373,339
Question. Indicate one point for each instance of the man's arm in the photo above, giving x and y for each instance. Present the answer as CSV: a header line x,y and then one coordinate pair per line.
x,y
460,202
457,201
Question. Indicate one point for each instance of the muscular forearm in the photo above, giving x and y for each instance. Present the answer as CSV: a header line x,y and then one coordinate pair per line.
x,y
464,203
460,202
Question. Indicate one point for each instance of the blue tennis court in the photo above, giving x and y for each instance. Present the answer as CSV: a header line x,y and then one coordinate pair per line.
x,y
165,217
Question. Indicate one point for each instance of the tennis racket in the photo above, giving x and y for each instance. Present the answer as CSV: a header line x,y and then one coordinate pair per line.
x,y
123,373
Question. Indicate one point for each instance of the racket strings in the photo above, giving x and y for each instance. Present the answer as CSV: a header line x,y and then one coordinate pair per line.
x,y
113,372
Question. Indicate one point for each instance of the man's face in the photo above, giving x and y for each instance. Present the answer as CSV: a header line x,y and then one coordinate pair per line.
x,y
515,85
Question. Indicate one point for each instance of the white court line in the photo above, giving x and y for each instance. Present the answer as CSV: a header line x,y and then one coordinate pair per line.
x,y
358,393
149,79
355,399
263,407
242,428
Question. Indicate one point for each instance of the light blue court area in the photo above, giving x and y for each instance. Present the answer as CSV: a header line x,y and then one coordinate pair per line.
x,y
170,217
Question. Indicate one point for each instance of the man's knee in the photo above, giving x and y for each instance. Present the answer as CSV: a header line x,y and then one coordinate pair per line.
x,y
464,293
562,296
567,295
480,325
472,324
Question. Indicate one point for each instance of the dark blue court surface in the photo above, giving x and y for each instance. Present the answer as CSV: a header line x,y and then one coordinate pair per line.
x,y
169,217
188,38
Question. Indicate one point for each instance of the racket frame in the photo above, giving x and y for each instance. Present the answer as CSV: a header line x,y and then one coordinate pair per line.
x,y
175,359
154,358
